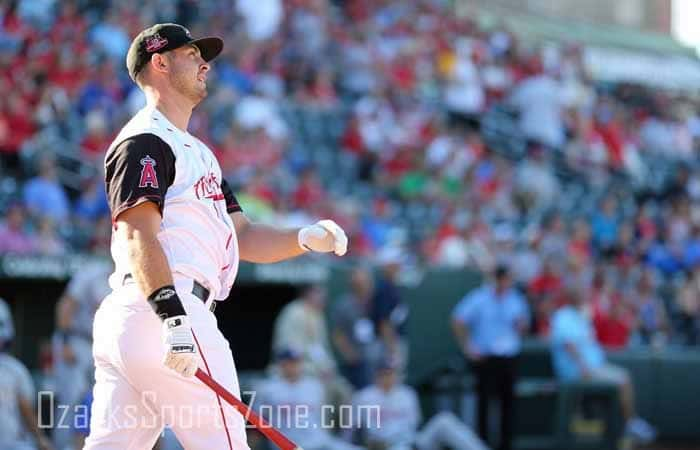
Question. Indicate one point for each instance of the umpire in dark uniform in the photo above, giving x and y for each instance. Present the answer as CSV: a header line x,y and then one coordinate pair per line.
x,y
488,324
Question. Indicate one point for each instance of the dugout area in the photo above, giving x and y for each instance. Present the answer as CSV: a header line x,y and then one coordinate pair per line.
x,y
246,320
550,415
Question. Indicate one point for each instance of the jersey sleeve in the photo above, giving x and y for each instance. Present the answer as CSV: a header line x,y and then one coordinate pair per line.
x,y
232,204
139,169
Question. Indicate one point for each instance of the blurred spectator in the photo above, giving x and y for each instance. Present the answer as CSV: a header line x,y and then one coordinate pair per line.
x,y
243,151
580,243
18,422
110,36
395,425
14,237
48,242
295,405
353,332
44,195
527,260
540,103
554,239
654,326
262,17
545,291
577,356
377,224
259,111
614,324
604,224
95,143
389,312
488,323
309,192
16,126
691,254
688,306
464,93
318,90
69,73
665,255
535,180
92,203
302,325
72,341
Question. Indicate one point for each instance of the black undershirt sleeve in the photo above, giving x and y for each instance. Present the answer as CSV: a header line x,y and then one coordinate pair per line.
x,y
138,169
232,204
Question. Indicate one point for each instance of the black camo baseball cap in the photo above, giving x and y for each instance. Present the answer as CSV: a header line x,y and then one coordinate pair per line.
x,y
164,37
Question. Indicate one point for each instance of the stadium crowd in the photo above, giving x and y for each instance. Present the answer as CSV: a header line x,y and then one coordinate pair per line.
x,y
431,140
361,111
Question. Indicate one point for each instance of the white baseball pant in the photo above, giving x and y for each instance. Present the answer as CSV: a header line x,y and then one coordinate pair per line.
x,y
135,395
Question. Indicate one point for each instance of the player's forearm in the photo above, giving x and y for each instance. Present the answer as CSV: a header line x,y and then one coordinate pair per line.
x,y
149,266
260,243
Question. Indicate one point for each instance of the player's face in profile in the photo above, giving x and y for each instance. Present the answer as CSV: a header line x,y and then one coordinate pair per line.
x,y
189,72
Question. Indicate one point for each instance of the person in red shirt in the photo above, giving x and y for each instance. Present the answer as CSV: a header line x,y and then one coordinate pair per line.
x,y
580,243
96,140
613,327
309,192
545,292
16,126
318,90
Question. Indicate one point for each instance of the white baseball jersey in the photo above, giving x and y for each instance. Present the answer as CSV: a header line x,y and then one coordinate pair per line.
x,y
15,382
399,413
152,160
135,394
297,409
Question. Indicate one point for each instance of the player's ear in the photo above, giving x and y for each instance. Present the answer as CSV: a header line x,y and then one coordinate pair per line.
x,y
159,62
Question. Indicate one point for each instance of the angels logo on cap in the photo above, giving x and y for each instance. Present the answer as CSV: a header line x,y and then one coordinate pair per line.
x,y
164,37
155,43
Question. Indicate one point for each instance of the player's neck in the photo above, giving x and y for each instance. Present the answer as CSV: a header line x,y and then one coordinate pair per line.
x,y
175,108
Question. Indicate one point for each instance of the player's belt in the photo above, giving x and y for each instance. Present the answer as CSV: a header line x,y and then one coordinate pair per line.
x,y
198,290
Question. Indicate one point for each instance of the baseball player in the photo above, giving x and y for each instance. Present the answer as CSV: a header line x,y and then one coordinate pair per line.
x,y
294,402
72,343
19,429
395,427
177,238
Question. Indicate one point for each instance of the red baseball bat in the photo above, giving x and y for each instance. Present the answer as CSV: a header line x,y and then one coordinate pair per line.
x,y
272,434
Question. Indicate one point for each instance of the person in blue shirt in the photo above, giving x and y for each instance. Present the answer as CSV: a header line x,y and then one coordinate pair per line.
x,y
44,195
605,224
488,324
577,355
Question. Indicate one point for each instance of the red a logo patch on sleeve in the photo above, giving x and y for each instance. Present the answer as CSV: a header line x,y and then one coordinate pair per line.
x,y
148,173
